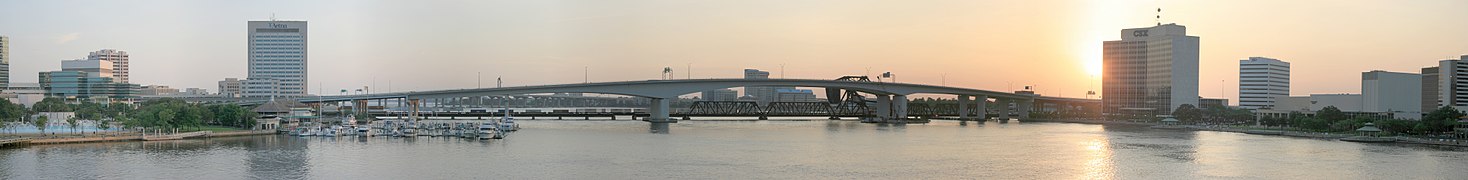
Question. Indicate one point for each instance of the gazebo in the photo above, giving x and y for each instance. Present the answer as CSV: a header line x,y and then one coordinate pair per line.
x,y
1369,130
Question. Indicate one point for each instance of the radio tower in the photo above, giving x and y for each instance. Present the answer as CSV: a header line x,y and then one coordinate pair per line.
x,y
1159,16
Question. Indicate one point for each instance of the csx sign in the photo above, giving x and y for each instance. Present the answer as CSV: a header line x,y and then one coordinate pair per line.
x,y
1139,33
274,25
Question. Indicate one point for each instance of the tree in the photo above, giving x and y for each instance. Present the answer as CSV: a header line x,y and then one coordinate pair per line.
x,y
72,122
1441,120
1330,114
1187,113
51,104
103,124
40,123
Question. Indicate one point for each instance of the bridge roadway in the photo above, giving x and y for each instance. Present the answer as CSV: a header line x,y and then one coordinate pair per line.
x,y
891,98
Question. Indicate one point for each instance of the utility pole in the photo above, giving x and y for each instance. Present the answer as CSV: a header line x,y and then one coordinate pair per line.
x,y
782,70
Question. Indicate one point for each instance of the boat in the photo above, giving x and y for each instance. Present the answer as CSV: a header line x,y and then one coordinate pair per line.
x,y
507,123
411,130
304,132
364,131
488,131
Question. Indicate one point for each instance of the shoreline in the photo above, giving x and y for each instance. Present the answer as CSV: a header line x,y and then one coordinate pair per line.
x,y
122,137
1285,133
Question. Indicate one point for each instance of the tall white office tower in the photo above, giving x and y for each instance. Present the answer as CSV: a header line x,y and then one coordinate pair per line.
x,y
1150,71
1261,80
278,63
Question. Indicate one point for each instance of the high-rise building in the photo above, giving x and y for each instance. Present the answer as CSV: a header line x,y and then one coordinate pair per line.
x,y
95,68
4,61
230,87
1150,71
1261,80
794,95
1392,92
762,94
118,61
277,62
1431,89
1446,85
719,95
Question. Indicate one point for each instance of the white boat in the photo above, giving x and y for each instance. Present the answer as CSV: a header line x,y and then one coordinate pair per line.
x,y
308,132
410,131
507,123
487,131
364,131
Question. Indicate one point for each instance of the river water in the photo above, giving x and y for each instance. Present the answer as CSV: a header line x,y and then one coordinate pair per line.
x,y
751,149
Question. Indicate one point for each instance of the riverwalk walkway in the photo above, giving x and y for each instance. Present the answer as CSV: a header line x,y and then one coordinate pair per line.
x,y
1290,133
115,137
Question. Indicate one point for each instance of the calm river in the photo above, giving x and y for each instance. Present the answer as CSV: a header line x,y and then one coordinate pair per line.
x,y
751,149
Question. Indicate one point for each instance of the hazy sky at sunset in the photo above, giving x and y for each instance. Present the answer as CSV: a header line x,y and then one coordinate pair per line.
x,y
979,44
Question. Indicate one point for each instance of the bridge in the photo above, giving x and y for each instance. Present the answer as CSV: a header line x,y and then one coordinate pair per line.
x,y
891,102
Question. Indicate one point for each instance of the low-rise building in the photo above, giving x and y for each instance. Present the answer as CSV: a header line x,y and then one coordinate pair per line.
x,y
80,85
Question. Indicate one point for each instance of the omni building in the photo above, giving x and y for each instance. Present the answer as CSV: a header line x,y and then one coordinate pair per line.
x,y
1261,81
1150,71
277,62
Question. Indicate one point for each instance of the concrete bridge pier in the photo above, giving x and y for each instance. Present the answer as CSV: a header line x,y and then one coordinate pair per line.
x,y
884,107
658,111
1024,106
900,104
963,108
1003,109
981,107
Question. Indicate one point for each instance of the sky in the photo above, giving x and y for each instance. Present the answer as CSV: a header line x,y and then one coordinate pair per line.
x,y
1053,45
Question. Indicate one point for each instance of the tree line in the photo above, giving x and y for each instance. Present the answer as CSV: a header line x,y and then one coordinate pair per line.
x,y
164,113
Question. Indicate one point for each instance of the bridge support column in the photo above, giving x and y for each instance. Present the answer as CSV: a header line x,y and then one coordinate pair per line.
x,y
413,109
1024,106
963,107
900,102
981,106
1003,109
884,107
658,111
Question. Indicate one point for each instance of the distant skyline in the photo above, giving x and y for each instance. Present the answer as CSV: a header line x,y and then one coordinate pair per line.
x,y
418,45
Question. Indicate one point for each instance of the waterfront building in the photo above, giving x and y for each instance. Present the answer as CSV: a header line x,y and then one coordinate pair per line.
x,y
4,61
795,95
1212,102
93,67
1392,92
1150,71
277,59
261,87
1315,102
1446,85
24,93
118,61
719,95
230,87
761,94
196,91
158,90
1350,104
1261,80
80,85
